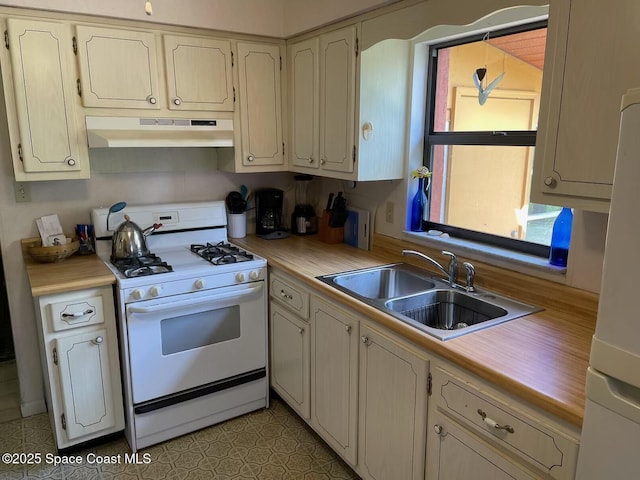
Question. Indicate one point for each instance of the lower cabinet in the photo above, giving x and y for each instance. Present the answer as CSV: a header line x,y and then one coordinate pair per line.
x,y
456,454
334,377
290,358
79,352
477,432
393,409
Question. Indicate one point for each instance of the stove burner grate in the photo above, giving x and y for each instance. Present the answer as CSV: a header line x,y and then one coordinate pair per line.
x,y
221,253
141,266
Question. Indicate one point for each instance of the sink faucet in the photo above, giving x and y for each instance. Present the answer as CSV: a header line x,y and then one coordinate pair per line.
x,y
451,272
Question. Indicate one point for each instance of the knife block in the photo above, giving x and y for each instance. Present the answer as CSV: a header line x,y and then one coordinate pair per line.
x,y
328,234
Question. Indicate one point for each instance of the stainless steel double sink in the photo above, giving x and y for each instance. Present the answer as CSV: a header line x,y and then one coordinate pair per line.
x,y
426,302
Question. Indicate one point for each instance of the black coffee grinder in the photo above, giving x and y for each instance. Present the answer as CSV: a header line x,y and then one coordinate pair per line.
x,y
269,203
303,218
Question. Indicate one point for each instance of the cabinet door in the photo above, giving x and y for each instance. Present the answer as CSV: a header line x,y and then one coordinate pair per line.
x,y
290,369
260,105
118,68
334,378
455,454
304,102
85,380
580,109
198,74
337,99
50,135
393,404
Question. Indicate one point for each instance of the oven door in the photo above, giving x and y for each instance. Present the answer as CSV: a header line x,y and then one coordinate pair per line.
x,y
191,340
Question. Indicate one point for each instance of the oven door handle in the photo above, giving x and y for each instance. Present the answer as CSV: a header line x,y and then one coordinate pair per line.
x,y
234,296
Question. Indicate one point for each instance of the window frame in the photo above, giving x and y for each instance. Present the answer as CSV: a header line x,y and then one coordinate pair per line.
x,y
519,138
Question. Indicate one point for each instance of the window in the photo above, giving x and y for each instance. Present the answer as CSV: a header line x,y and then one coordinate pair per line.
x,y
482,111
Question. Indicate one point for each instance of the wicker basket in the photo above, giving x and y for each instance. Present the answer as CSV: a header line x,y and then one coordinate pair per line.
x,y
55,253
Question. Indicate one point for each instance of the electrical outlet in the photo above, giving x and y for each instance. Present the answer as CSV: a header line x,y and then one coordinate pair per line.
x,y
22,191
390,207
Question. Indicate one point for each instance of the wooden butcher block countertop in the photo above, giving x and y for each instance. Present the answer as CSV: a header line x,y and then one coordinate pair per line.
x,y
541,357
74,273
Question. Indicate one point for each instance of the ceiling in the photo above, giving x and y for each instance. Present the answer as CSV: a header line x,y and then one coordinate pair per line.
x,y
526,46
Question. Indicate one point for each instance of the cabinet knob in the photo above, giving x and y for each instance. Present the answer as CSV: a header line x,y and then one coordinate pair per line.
x,y
311,160
550,182
365,340
301,330
152,100
347,328
71,162
438,429
251,158
177,101
323,161
98,340
285,295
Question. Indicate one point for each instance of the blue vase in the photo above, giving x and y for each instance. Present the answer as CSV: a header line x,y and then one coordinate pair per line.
x,y
418,206
560,238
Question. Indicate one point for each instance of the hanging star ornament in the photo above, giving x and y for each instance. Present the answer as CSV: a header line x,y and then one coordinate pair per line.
x,y
483,93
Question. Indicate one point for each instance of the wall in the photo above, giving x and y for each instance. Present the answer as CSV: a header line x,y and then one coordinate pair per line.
x,y
274,18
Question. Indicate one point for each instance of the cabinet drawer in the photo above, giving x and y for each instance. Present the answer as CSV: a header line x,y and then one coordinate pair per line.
x,y
74,313
530,438
293,297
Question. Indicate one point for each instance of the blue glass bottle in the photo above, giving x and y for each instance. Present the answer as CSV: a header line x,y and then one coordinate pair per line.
x,y
418,205
560,238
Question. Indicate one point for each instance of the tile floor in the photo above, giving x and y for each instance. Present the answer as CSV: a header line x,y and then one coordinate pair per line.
x,y
271,444
9,393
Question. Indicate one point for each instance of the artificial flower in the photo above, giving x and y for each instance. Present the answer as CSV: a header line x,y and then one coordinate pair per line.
x,y
422,172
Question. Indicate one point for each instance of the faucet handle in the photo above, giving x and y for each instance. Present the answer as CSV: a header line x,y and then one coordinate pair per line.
x,y
471,272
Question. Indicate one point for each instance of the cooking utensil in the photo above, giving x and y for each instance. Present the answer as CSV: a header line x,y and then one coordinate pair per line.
x,y
244,191
235,202
129,240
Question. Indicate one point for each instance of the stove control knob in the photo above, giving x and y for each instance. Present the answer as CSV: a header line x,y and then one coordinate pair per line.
x,y
254,275
239,277
155,291
199,284
137,294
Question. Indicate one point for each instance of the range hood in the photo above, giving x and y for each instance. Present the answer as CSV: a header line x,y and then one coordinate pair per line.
x,y
114,132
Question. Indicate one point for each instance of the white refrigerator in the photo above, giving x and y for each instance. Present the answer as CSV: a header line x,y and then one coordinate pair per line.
x,y
610,443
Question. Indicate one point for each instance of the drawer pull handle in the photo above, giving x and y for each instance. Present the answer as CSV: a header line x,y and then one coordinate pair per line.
x,y
286,295
77,314
493,424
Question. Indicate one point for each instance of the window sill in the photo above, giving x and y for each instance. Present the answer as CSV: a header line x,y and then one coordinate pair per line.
x,y
499,257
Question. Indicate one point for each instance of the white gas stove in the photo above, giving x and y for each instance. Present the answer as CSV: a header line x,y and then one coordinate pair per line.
x,y
193,338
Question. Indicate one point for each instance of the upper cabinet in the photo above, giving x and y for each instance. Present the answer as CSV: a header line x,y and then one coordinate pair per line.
x,y
304,99
260,147
48,140
591,61
338,51
198,73
347,108
118,68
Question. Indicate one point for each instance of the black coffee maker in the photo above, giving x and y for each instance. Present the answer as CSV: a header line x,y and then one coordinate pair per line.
x,y
269,219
